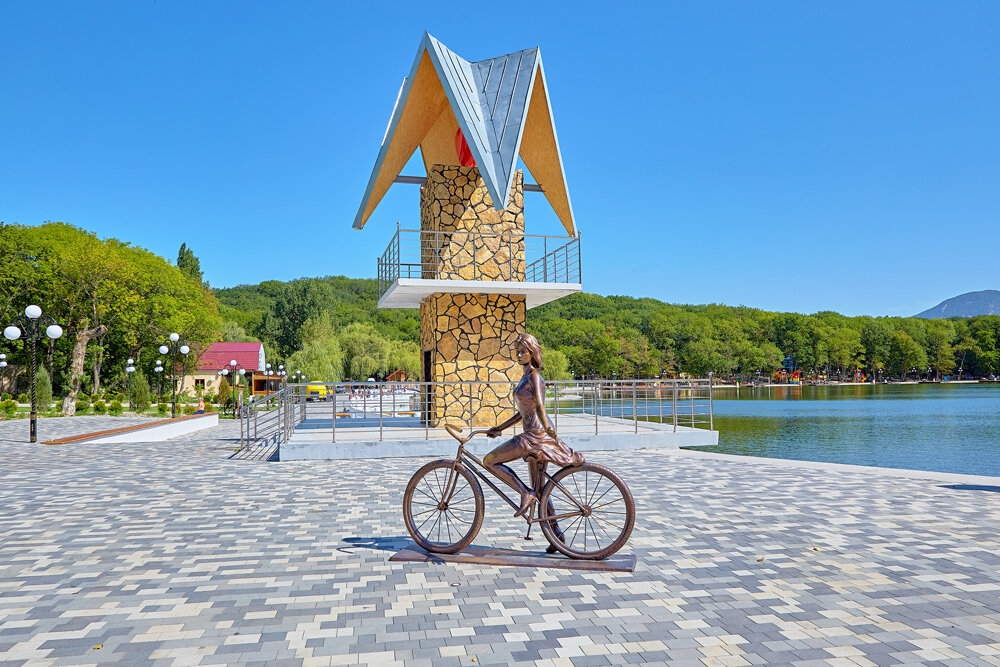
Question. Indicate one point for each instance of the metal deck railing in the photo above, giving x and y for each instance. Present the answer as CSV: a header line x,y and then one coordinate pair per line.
x,y
413,410
470,255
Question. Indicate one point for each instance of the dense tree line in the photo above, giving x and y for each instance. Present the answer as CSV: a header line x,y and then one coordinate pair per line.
x,y
627,337
117,301
113,300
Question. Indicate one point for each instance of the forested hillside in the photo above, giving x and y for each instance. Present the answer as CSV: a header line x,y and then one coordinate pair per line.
x,y
117,301
622,336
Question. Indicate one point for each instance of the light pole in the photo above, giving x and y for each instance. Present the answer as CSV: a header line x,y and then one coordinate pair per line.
x,y
173,347
3,365
31,328
233,371
130,368
159,370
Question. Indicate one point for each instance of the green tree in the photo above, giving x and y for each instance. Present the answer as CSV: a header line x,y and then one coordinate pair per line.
x,y
140,392
43,389
556,365
904,354
189,265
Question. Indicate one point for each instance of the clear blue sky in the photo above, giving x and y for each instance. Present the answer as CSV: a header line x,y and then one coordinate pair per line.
x,y
785,156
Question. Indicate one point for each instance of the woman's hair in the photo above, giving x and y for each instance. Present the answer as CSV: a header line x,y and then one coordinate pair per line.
x,y
530,343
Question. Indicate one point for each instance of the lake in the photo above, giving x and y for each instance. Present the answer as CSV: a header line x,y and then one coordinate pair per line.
x,y
940,427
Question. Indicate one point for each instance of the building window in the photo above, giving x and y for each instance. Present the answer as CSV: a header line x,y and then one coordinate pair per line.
x,y
199,384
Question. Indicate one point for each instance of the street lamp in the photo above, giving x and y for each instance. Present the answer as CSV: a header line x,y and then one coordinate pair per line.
x,y
232,372
31,328
159,369
3,365
173,347
130,368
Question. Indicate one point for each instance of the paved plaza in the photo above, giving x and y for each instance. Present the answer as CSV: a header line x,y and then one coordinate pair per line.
x,y
176,553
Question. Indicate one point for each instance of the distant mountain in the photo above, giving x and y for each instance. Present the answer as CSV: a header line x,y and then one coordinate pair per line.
x,y
970,304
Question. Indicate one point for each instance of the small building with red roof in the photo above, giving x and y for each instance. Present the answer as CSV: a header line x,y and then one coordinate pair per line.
x,y
205,378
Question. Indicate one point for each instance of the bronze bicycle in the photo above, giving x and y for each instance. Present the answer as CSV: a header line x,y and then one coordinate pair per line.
x,y
584,511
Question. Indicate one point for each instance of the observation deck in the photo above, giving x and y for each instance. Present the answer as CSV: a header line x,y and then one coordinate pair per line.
x,y
418,263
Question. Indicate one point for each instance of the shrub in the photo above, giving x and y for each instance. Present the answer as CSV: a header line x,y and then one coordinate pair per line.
x,y
22,398
95,397
161,408
121,397
82,406
140,392
43,389
5,396
208,405
188,409
99,407
8,408
224,398
116,408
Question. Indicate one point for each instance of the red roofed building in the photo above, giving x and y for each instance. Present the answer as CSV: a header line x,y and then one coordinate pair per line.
x,y
206,378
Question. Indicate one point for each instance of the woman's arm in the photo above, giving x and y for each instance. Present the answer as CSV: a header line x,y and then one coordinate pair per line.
x,y
538,389
500,428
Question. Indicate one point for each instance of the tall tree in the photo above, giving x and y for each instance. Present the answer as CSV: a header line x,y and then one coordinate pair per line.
x,y
189,264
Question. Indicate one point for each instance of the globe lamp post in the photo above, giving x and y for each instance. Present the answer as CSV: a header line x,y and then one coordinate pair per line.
x,y
159,370
233,372
173,347
29,326
130,368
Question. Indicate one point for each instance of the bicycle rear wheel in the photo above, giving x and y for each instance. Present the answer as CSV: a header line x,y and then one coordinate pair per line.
x,y
596,510
439,526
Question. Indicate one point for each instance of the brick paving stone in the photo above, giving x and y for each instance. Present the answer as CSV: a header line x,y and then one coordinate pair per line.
x,y
187,552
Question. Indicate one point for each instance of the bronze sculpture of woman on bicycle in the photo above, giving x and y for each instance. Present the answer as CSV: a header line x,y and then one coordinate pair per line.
x,y
538,444
584,510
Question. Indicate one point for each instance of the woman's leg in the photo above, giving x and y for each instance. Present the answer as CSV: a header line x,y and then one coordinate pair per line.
x,y
494,462
536,469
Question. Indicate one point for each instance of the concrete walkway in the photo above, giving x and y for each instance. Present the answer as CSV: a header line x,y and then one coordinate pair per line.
x,y
174,553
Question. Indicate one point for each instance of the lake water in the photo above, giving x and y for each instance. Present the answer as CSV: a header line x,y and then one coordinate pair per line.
x,y
946,428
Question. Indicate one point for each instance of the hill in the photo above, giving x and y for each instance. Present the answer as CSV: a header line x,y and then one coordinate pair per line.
x,y
320,323
970,304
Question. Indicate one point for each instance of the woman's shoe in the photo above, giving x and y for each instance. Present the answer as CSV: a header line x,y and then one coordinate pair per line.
x,y
527,500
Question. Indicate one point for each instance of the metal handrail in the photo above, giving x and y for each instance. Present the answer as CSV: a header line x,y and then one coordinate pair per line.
x,y
387,407
474,255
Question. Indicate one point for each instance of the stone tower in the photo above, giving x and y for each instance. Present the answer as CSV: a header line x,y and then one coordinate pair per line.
x,y
470,268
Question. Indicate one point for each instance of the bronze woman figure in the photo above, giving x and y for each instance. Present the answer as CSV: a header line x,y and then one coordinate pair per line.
x,y
538,444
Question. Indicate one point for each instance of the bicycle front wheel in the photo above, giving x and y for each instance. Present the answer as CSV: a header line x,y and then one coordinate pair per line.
x,y
595,509
436,520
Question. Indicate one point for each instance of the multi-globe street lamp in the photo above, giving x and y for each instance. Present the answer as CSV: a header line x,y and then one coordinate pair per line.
x,y
29,325
130,368
3,365
281,373
232,372
159,370
175,345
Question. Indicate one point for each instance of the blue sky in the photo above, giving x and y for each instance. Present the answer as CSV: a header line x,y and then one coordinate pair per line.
x,y
786,156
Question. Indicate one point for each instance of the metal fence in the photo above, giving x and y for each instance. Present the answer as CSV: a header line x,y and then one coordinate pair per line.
x,y
381,411
471,255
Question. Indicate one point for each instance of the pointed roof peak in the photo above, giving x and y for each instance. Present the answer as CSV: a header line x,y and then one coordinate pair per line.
x,y
495,102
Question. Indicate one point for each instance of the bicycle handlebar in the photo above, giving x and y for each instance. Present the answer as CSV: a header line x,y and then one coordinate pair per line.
x,y
455,433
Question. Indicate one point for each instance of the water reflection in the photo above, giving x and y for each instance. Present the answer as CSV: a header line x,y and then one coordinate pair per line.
x,y
946,428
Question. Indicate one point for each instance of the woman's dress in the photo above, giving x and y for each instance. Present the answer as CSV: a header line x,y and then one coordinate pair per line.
x,y
534,441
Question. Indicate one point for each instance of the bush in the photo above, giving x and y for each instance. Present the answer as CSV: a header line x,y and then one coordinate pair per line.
x,y
22,398
208,405
8,408
224,398
121,397
140,392
99,407
161,408
116,408
188,410
43,389
82,406
5,396
95,397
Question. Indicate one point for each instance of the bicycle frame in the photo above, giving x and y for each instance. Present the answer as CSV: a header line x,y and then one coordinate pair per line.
x,y
462,456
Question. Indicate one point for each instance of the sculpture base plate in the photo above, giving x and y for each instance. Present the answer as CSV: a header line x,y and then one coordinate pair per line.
x,y
473,555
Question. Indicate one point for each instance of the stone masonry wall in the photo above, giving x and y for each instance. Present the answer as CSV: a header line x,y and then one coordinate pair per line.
x,y
471,336
463,237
